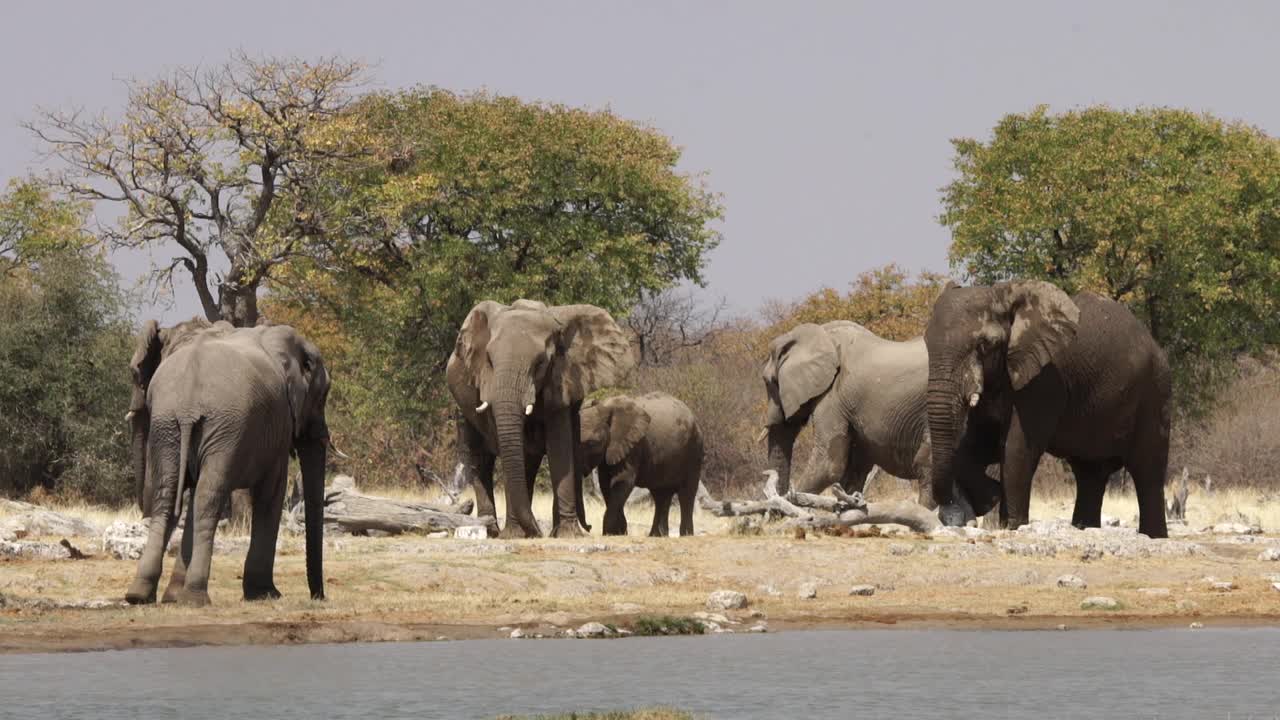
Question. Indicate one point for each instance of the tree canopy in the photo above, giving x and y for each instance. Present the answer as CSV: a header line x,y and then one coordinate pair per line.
x,y
885,300
214,165
65,344
1175,213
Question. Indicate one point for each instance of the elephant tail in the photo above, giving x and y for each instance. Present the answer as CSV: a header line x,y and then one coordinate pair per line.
x,y
184,448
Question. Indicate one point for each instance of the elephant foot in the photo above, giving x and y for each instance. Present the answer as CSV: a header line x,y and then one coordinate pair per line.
x,y
261,592
140,592
171,593
953,515
568,529
513,531
192,598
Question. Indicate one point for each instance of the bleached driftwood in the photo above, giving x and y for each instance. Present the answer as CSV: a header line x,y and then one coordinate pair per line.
x,y
810,510
358,513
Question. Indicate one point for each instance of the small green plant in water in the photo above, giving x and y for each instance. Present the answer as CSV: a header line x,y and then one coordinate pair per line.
x,y
667,625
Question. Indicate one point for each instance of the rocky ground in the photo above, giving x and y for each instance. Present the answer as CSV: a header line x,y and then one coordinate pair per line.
x,y
417,587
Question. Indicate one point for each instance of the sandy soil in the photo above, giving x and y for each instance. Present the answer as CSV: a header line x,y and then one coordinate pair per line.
x,y
415,588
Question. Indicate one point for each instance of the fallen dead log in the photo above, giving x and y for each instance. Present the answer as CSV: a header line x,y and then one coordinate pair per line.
x,y
816,511
358,514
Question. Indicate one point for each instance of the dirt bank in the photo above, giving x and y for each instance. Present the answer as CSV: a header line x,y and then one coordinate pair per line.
x,y
400,589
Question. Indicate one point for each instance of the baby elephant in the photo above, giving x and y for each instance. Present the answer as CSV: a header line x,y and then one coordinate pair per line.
x,y
651,441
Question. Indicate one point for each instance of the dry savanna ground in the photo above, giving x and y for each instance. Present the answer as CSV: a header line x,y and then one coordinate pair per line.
x,y
420,588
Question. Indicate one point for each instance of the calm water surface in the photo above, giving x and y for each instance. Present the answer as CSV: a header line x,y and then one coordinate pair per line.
x,y
822,674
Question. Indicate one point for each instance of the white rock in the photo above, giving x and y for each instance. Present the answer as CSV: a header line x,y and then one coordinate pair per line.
x,y
1155,591
1275,586
124,540
472,532
726,600
1196,625
807,591
713,617
32,549
758,628
863,590
592,630
38,522
438,534
1099,602
1074,582
517,634
1230,528
1270,555
1223,586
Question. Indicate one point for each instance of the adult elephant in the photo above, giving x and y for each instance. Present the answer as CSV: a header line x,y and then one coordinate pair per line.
x,y
519,374
1019,369
652,442
865,397
227,408
155,345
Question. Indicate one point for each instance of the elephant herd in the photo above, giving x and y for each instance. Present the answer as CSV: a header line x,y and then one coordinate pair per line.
x,y
1002,375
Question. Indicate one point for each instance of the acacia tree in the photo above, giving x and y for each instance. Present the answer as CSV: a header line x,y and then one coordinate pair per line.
x,y
215,165
666,323
1175,213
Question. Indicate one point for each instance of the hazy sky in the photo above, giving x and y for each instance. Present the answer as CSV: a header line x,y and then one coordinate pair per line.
x,y
825,126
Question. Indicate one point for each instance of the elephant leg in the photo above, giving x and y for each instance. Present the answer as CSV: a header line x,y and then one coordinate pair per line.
x,y
1021,457
532,464
482,488
259,562
160,530
832,444
1149,471
211,492
857,468
621,483
178,576
661,513
688,494
564,476
1091,485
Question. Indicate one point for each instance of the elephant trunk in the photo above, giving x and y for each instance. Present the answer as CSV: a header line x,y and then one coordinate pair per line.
x,y
943,407
311,456
782,440
511,399
139,428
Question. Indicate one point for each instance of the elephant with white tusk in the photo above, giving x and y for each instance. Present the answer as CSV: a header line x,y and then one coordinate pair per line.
x,y
1019,369
519,374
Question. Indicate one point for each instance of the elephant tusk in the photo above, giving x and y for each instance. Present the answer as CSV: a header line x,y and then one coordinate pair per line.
x,y
764,432
336,451
528,409
482,406
973,399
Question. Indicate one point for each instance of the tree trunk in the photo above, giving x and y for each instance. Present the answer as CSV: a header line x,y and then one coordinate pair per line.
x,y
238,304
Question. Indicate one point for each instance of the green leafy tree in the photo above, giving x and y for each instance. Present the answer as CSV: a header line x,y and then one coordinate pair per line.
x,y
65,344
471,197
885,300
1175,213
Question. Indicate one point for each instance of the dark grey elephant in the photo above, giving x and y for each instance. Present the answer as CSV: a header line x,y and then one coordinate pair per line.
x,y
1020,369
226,409
519,375
865,398
652,442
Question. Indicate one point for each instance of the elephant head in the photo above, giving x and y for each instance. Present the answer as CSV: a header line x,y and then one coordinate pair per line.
x,y
531,360
801,368
611,429
984,344
154,346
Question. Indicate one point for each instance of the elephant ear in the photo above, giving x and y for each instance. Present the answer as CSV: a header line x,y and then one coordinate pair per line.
x,y
628,423
595,352
1044,323
146,356
801,366
473,338
304,375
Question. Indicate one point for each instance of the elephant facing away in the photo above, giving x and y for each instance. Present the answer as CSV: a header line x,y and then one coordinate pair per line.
x,y
1019,369
865,397
227,409
651,441
519,374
